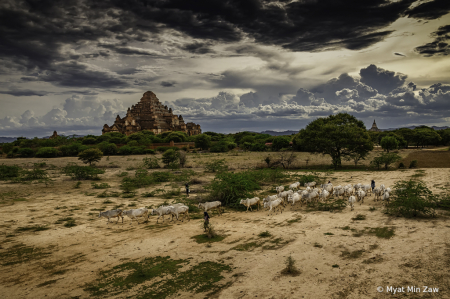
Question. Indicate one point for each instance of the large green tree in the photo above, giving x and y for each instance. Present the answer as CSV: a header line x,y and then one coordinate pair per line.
x,y
389,143
202,141
339,136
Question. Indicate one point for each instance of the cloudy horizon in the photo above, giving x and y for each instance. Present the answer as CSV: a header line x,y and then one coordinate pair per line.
x,y
229,65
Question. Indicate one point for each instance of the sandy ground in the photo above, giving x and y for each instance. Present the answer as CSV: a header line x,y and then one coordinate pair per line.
x,y
65,259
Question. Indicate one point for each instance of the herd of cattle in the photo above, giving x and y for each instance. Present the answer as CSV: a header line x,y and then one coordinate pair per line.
x,y
273,203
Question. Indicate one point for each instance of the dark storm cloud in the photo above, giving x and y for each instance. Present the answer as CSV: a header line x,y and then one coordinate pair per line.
x,y
440,44
198,48
24,92
429,10
168,83
382,80
74,74
129,50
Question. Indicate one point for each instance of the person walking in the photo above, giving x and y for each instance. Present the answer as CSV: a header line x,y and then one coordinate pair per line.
x,y
372,184
206,218
187,189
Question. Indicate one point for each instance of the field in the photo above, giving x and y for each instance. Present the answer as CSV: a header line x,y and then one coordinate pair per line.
x,y
53,244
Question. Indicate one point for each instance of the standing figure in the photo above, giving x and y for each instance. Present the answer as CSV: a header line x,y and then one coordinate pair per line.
x,y
206,223
372,184
187,189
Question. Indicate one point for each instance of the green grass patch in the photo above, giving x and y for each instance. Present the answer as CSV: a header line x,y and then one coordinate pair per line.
x,y
295,220
203,238
34,228
107,201
246,246
162,278
382,232
352,254
265,234
20,253
359,217
48,282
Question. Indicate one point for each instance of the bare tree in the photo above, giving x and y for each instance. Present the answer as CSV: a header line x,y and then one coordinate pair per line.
x,y
286,158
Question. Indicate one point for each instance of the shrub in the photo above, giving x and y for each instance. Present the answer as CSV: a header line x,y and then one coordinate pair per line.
x,y
161,176
89,140
165,148
229,188
170,156
411,199
77,185
82,172
138,150
132,143
100,186
9,172
182,158
26,152
71,149
290,268
125,150
90,155
401,165
108,148
216,166
7,147
34,174
149,151
151,163
385,159
202,141
280,142
47,152
413,164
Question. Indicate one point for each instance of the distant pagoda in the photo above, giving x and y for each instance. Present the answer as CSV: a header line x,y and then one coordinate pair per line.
x,y
374,127
149,114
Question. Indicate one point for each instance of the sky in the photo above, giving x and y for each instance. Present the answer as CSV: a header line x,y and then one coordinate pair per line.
x,y
228,65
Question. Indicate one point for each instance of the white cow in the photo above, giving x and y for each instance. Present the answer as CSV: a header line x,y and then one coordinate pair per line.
x,y
177,210
212,205
279,189
361,194
133,213
294,198
274,204
111,214
162,210
351,201
249,202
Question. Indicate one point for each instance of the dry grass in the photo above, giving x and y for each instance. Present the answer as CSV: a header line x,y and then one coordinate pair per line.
x,y
429,159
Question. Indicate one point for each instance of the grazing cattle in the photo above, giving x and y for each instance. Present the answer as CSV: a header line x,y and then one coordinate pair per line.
x,y
133,213
361,194
162,210
294,198
111,214
279,189
212,205
249,202
274,204
351,201
180,209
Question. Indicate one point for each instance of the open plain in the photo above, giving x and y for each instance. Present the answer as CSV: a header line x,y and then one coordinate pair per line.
x,y
53,245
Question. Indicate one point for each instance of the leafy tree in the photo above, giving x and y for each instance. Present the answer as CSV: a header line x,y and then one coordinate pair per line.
x,y
7,147
170,156
108,148
356,157
125,150
337,135
47,152
90,155
26,152
203,141
385,159
406,134
280,142
89,140
132,143
389,143
426,136
176,137
72,149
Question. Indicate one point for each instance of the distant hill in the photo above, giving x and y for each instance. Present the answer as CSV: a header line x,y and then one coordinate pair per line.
x,y
7,139
413,127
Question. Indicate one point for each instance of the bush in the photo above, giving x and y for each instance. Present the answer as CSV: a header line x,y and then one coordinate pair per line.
x,y
89,140
385,159
26,152
290,268
411,199
202,141
401,165
9,172
216,166
165,148
138,150
82,172
229,188
90,155
47,152
161,176
108,148
280,142
170,156
151,163
7,147
413,164
125,150
73,149
149,151
100,186
34,174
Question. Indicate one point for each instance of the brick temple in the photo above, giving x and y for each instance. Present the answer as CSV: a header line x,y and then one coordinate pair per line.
x,y
149,114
